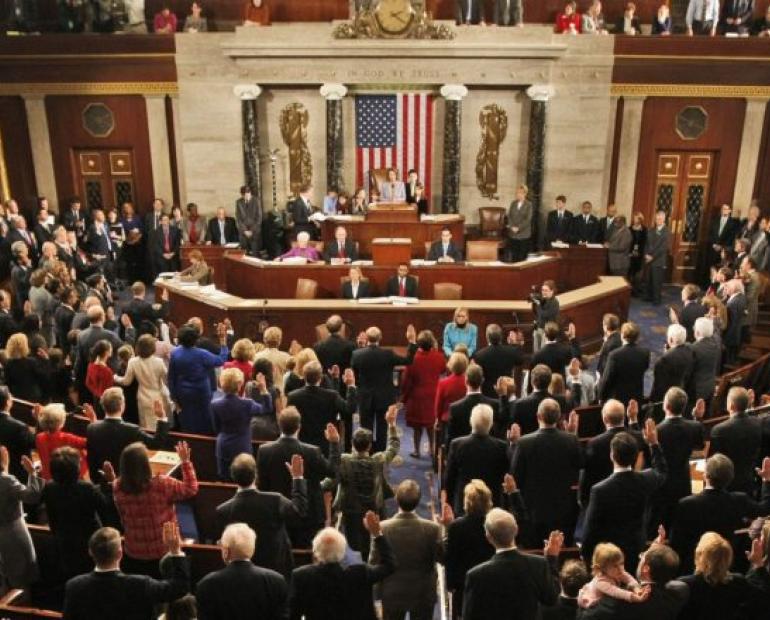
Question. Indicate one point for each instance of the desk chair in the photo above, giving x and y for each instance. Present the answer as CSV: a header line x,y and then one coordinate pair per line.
x,y
447,290
306,289
481,250
491,221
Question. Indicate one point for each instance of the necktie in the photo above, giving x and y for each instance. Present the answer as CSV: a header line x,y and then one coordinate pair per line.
x,y
193,232
157,221
166,242
704,10
222,239
107,237
586,219
445,249
722,223
341,252
401,287
392,191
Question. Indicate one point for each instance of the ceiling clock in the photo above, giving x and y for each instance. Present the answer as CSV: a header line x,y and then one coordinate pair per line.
x,y
691,122
394,17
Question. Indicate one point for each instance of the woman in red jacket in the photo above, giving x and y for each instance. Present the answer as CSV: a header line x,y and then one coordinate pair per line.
x,y
568,21
450,389
419,389
51,421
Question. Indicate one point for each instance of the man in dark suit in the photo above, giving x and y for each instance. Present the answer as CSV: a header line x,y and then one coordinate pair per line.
x,y
656,251
74,220
658,568
151,227
265,512
673,368
558,224
140,310
8,325
100,246
617,506
334,350
402,284
374,366
519,225
497,359
523,411
722,232
273,475
707,357
19,232
612,340
300,211
42,230
89,337
512,584
168,240
715,509
342,249
678,438
736,319
476,456
108,437
459,421
248,218
108,593
355,287
14,435
691,310
319,406
222,229
585,227
444,250
239,589
554,354
412,180
739,439
606,224
546,465
623,377
327,589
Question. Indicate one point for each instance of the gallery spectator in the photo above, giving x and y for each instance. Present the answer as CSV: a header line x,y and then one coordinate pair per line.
x,y
256,13
568,21
195,22
165,21
629,23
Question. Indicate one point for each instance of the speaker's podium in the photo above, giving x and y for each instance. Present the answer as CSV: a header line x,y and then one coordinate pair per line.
x,y
392,212
391,250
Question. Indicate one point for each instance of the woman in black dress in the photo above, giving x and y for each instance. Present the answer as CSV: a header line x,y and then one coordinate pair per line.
x,y
639,236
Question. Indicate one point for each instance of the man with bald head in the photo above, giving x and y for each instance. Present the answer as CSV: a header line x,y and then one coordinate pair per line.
x,y
373,366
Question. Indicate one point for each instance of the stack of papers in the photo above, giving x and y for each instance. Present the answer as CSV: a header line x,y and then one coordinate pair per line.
x,y
233,245
594,245
559,244
294,260
363,263
317,217
485,263
162,457
417,262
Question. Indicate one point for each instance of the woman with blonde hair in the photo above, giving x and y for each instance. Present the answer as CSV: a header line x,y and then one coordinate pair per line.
x,y
296,378
243,358
715,592
27,377
449,389
51,420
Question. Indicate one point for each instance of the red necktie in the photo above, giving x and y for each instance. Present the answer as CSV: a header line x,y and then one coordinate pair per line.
x,y
193,231
166,242
341,253
402,287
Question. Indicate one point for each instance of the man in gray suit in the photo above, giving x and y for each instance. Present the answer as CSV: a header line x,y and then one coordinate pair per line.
x,y
417,545
519,225
248,217
656,257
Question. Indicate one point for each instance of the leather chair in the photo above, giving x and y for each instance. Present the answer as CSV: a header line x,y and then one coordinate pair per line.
x,y
447,290
481,250
491,221
306,289
378,176
427,248
318,245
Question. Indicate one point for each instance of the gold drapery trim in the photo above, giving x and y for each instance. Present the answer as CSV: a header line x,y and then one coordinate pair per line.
x,y
691,90
89,88
5,187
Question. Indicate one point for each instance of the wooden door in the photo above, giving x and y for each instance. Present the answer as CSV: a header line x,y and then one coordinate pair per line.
x,y
104,178
682,185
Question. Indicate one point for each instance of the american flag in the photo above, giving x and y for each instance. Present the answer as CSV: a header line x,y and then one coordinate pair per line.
x,y
394,131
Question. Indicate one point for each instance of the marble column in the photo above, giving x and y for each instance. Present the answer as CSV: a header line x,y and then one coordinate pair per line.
x,y
40,140
539,95
160,153
450,187
334,93
248,94
628,155
751,143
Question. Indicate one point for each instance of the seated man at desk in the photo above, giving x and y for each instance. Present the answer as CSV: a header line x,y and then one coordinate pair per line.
x,y
222,229
302,250
355,288
402,284
444,250
342,249
392,190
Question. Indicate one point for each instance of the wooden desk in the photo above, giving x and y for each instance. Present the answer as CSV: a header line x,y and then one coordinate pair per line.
x,y
249,279
392,211
391,252
580,265
213,255
363,230
298,318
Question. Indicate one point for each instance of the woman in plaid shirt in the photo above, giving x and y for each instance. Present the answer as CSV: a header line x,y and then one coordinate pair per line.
x,y
145,503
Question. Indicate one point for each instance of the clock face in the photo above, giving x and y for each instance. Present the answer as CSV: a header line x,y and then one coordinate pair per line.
x,y
691,122
394,17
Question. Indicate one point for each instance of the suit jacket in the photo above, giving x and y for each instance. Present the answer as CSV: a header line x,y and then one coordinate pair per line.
x,y
673,369
546,465
332,250
598,466
727,237
334,592
248,216
740,439
417,544
523,411
391,288
612,342
557,355
8,326
511,585
635,25
623,376
475,456
760,252
707,355
363,290
736,317
713,510
231,231
392,192
459,421
466,546
521,218
267,514
242,591
273,475
585,231
107,438
43,233
334,350
16,436
558,228
678,438
437,251
664,603
690,312
140,310
565,609
300,213
373,366
199,225
118,596
98,242
15,235
658,245
73,222
618,506
497,361
409,192
619,249
174,242
319,407
151,224
86,340
607,229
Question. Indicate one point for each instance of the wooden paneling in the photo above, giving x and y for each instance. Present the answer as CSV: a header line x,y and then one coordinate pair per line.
x,y
66,129
762,178
722,137
18,152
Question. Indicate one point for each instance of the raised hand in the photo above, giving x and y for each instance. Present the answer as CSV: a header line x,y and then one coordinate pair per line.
x,y
392,415
699,410
331,433
650,432
503,385
183,450
447,514
509,484
171,538
334,372
125,321
574,367
372,523
752,397
514,434
411,334
89,412
108,472
572,422
632,411
764,471
222,333
295,347
756,556
554,543
349,378
261,383
28,465
296,467
571,331
5,459
660,539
